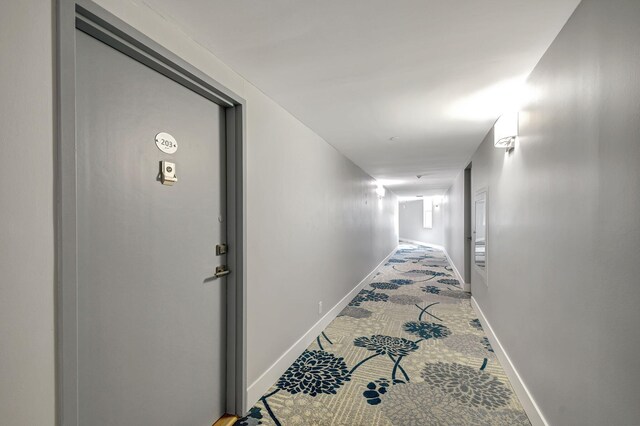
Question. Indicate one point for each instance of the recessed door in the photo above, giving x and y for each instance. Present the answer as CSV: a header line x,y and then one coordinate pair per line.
x,y
151,315
468,236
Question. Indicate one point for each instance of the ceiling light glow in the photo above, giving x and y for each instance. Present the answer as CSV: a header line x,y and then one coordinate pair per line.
x,y
391,182
493,101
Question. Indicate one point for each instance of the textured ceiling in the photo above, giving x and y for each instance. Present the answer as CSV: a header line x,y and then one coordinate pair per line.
x,y
434,74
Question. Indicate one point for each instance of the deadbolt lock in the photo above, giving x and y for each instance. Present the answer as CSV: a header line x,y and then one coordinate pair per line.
x,y
221,249
168,173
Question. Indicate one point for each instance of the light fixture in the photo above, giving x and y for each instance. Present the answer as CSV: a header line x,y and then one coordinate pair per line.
x,y
381,191
505,131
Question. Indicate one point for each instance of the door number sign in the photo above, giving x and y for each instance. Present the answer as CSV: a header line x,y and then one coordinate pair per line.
x,y
166,143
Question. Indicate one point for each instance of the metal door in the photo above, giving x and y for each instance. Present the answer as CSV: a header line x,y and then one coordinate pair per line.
x,y
151,317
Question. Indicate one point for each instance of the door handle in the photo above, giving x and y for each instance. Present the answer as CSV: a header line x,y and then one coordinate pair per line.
x,y
221,271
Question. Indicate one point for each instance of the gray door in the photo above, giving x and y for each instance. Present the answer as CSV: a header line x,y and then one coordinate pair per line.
x,y
151,320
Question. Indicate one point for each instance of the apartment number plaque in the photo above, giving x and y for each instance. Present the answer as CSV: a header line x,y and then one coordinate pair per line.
x,y
166,143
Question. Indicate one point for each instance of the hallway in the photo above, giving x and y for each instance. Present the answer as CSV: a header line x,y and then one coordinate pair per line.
x,y
407,350
320,213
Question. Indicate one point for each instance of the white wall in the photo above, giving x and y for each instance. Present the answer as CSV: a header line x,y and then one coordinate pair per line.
x,y
453,218
564,235
26,225
315,226
411,223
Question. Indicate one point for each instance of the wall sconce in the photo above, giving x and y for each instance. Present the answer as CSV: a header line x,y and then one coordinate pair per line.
x,y
381,191
505,131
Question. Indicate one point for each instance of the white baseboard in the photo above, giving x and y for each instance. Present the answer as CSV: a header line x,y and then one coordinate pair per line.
x,y
273,373
526,399
465,286
420,243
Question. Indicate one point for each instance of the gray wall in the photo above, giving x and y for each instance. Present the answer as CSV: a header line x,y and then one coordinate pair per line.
x,y
410,219
315,229
315,226
564,236
26,228
453,218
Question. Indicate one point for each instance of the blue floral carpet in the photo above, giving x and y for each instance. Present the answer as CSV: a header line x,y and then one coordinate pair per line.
x,y
407,350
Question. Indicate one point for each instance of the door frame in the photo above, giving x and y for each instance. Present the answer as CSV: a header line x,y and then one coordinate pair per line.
x,y
104,26
468,236
482,272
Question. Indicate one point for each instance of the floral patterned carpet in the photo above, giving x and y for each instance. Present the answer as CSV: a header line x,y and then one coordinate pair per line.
x,y
407,350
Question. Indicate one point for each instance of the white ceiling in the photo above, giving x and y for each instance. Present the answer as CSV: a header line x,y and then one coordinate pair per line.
x,y
434,73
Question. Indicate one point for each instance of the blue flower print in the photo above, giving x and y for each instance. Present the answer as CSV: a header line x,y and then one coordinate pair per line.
x,y
401,281
487,345
431,289
380,344
313,373
368,296
449,281
427,330
426,272
384,286
252,418
475,323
